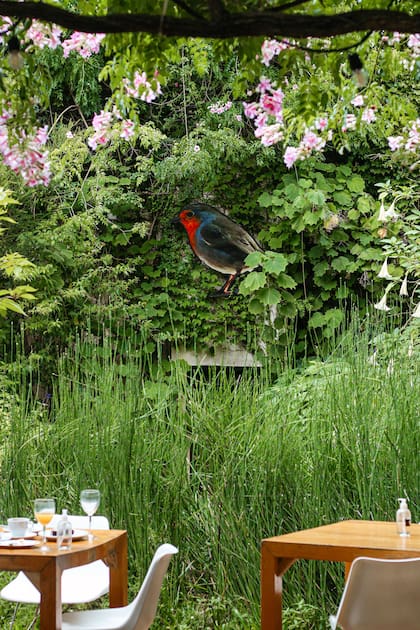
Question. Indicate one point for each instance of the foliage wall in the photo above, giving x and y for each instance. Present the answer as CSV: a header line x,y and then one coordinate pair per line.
x,y
105,250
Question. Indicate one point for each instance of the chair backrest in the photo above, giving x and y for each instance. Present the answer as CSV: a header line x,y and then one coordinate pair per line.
x,y
381,595
144,606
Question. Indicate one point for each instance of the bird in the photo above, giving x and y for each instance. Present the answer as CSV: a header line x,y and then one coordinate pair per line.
x,y
219,242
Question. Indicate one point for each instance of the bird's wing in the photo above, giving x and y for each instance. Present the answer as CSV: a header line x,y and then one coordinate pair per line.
x,y
229,235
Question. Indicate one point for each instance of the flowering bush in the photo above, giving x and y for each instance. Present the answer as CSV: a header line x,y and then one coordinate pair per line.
x,y
25,151
346,112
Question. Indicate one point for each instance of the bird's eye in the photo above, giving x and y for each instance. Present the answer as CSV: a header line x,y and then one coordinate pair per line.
x,y
189,214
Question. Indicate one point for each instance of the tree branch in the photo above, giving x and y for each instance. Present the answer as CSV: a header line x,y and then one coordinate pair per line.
x,y
247,24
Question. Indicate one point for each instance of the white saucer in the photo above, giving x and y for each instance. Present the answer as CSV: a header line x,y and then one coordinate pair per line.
x,y
19,543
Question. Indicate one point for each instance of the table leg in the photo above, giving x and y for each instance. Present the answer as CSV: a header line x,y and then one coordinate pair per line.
x,y
50,589
272,570
118,574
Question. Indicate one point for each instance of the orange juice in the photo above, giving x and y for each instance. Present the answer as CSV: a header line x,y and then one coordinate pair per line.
x,y
43,518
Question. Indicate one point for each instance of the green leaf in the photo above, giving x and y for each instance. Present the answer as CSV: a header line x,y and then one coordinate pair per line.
x,y
364,205
11,305
306,183
340,264
353,215
356,184
334,317
285,281
288,310
316,321
316,197
276,263
253,281
343,198
321,267
269,296
255,307
299,224
292,191
265,200
254,259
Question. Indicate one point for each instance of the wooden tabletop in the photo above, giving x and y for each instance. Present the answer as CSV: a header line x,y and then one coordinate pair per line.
x,y
339,542
345,540
44,569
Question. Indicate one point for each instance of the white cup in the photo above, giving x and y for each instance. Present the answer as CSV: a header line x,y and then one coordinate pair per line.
x,y
19,526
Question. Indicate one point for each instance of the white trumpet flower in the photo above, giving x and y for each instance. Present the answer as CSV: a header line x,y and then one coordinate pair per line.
x,y
404,286
390,213
382,305
416,312
384,273
382,213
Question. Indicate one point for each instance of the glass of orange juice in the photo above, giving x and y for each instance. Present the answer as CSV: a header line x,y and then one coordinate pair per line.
x,y
44,511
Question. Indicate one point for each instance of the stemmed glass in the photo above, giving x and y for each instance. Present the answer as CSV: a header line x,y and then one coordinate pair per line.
x,y
89,500
44,510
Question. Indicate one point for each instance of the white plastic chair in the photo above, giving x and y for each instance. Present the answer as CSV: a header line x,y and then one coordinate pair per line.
x,y
79,585
380,595
138,615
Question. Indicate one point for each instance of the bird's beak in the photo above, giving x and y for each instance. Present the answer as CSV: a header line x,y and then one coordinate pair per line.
x,y
175,220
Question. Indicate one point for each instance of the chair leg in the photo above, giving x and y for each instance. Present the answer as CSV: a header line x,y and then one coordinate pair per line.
x,y
31,625
13,619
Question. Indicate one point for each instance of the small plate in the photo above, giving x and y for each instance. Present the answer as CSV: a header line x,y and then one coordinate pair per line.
x,y
78,534
19,543
4,535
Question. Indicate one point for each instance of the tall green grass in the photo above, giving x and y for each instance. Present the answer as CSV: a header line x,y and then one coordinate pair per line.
x,y
215,462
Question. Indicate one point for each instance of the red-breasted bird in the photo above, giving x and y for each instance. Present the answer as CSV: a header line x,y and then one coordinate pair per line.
x,y
217,241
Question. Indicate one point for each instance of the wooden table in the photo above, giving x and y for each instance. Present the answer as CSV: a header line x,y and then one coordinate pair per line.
x,y
44,569
339,542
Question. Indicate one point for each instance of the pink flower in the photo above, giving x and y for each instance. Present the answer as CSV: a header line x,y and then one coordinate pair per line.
x,y
44,35
349,122
271,48
270,134
196,148
368,115
311,141
395,142
271,104
290,156
321,123
358,101
127,129
141,88
217,108
264,85
251,110
41,135
414,43
85,44
25,154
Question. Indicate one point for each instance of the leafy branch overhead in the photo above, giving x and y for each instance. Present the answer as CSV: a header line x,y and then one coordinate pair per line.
x,y
220,20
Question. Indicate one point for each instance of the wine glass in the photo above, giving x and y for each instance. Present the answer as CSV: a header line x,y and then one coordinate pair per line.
x,y
89,500
44,510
